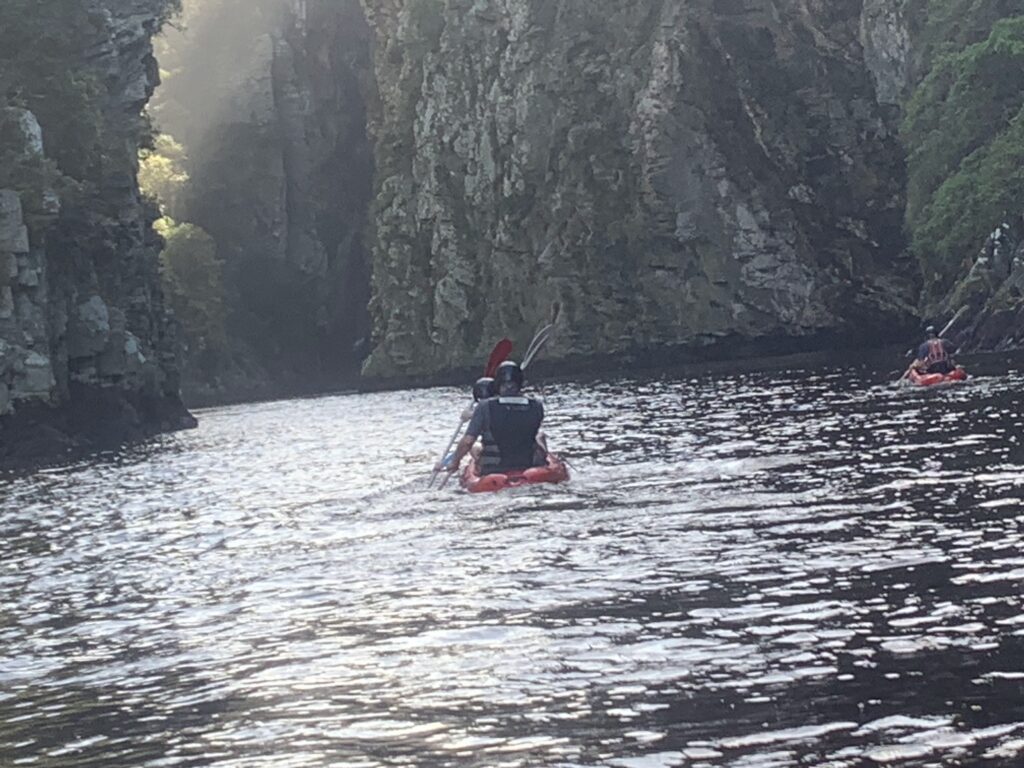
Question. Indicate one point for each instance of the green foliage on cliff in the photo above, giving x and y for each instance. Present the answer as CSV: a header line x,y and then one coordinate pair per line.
x,y
964,130
193,282
162,172
193,273
985,191
948,26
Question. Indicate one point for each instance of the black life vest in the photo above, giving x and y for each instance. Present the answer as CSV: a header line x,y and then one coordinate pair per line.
x,y
511,441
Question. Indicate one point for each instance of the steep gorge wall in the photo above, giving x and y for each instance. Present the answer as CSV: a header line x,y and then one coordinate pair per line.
x,y
87,352
964,132
268,97
675,174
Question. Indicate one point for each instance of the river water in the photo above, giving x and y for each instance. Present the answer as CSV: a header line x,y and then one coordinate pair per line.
x,y
798,566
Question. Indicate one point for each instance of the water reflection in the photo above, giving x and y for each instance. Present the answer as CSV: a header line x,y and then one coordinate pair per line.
x,y
794,567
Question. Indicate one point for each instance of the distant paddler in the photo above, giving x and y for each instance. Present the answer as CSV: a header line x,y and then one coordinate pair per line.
x,y
934,355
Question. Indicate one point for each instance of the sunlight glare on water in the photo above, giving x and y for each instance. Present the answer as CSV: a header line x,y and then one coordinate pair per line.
x,y
793,567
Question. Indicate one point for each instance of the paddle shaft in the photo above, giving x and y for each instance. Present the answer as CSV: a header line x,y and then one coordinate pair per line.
x,y
538,343
455,436
952,322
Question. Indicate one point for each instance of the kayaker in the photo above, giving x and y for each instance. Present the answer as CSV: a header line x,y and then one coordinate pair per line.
x,y
483,389
508,427
935,355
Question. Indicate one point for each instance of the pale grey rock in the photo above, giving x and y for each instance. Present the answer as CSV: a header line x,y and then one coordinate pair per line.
x,y
135,360
89,329
6,302
51,202
112,364
13,232
992,291
29,277
30,133
35,380
30,313
885,36
5,399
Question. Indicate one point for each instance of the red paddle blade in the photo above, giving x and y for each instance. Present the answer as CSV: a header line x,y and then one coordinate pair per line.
x,y
498,356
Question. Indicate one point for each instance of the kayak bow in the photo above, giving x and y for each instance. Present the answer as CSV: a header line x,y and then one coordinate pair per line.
x,y
932,379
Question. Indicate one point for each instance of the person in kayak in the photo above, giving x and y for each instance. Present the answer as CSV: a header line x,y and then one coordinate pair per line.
x,y
935,355
508,427
483,389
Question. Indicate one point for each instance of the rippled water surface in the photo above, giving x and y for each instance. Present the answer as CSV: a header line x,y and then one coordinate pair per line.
x,y
799,567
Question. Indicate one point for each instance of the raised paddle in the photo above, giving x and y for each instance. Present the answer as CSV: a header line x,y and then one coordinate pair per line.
x,y
541,337
499,354
952,322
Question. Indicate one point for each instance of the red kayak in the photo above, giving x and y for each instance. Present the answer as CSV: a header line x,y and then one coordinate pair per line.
x,y
931,379
554,471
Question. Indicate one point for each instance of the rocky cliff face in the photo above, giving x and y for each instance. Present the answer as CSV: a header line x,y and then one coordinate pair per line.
x,y
675,174
886,39
964,133
987,303
87,352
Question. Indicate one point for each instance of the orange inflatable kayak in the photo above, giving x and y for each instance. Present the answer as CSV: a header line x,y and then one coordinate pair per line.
x,y
554,471
931,379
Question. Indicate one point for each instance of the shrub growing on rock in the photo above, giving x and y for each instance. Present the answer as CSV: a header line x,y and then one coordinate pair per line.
x,y
965,132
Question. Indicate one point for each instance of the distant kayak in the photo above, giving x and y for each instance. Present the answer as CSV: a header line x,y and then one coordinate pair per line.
x,y
932,379
554,471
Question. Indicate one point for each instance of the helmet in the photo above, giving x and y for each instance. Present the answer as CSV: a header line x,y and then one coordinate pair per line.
x,y
930,330
508,373
484,389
